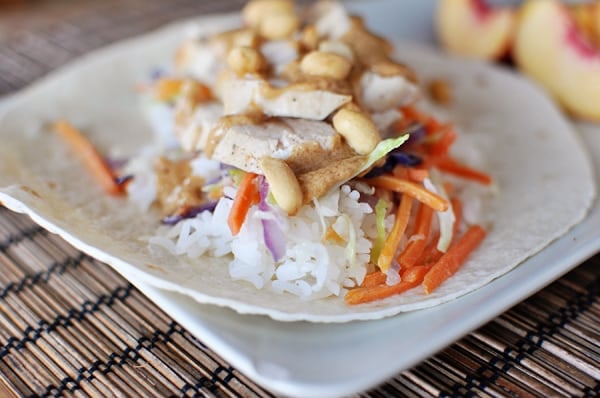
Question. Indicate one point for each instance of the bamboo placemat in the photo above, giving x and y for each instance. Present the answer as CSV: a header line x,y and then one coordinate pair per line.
x,y
70,325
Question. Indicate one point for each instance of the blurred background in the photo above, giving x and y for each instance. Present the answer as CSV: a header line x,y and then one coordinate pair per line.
x,y
39,35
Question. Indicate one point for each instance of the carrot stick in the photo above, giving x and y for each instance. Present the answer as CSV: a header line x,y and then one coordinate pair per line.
x,y
451,166
363,295
418,174
411,114
453,259
416,273
166,89
400,172
431,254
90,156
393,241
457,209
246,196
429,198
432,125
413,251
410,278
374,279
442,146
415,174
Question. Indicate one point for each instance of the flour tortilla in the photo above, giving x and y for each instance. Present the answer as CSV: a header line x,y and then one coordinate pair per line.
x,y
543,174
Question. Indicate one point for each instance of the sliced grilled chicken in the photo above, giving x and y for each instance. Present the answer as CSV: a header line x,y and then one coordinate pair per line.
x,y
379,93
193,126
249,95
304,144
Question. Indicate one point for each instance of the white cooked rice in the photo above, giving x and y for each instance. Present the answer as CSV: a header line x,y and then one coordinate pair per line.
x,y
311,267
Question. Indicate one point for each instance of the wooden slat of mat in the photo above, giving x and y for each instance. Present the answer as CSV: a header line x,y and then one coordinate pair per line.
x,y
503,342
85,283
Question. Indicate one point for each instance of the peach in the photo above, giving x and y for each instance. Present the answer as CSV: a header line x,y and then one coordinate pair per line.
x,y
551,48
472,28
587,18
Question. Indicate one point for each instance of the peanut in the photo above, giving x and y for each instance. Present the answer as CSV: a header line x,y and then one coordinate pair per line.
x,y
283,184
324,64
358,129
256,10
279,25
309,37
337,47
244,60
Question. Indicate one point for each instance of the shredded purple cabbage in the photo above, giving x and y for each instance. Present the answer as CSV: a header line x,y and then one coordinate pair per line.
x,y
406,159
416,133
190,213
213,181
394,159
120,180
272,233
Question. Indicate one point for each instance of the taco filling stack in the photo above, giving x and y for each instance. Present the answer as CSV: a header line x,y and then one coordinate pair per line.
x,y
294,145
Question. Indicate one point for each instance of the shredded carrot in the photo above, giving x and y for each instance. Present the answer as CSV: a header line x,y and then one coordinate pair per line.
x,y
375,278
91,157
167,88
415,274
414,249
411,114
417,191
441,147
363,295
400,172
451,166
457,209
415,174
410,279
393,241
418,174
448,187
432,126
454,258
246,196
431,254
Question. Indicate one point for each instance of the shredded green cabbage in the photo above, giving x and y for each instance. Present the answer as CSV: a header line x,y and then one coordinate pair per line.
x,y
383,148
350,250
446,218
